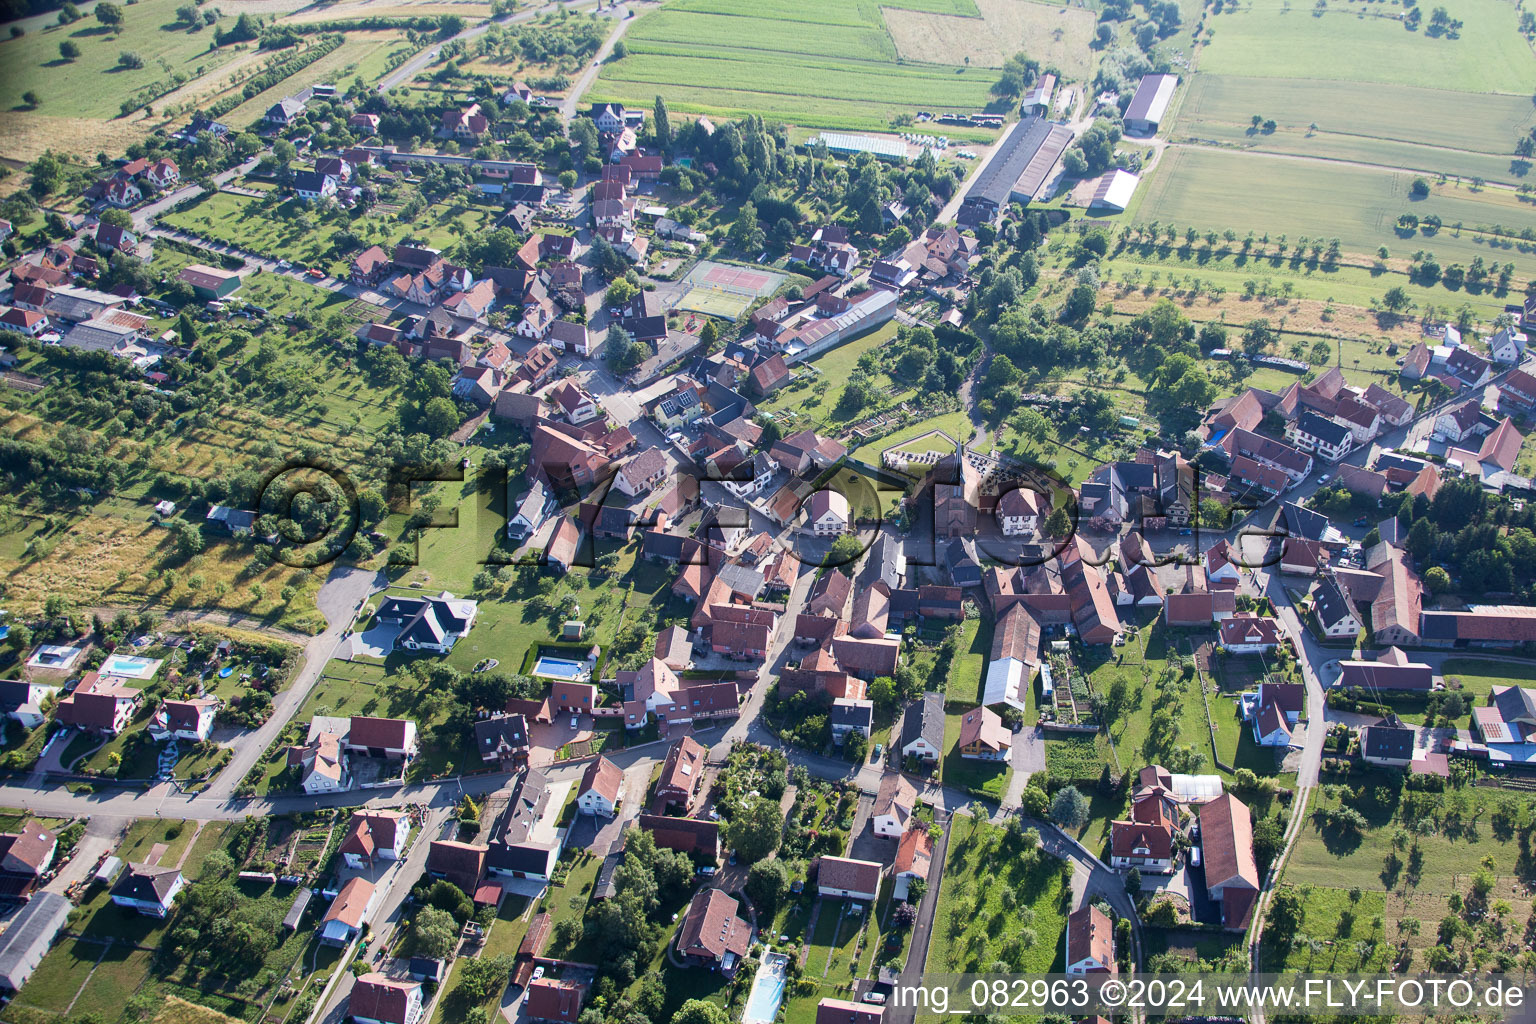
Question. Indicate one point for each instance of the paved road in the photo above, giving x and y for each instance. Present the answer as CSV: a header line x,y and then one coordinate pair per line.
x,y
396,881
922,929
578,90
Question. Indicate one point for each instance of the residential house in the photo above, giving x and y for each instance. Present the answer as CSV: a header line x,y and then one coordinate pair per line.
x,y
374,834
983,737
1145,841
914,859
427,623
713,934
190,719
922,729
25,856
379,999
1018,511
680,773
23,701
312,185
1386,746
1247,633
693,836
501,738
100,704
1335,608
827,514
322,764
847,715
1090,942
149,889
526,840
846,878
895,806
553,1000
348,912
599,791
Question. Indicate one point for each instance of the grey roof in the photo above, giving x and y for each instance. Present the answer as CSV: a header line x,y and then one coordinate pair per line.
x,y
1386,741
741,579
995,184
1332,601
491,734
924,719
296,909
27,936
309,181
1151,99
146,883
510,848
1333,433
853,713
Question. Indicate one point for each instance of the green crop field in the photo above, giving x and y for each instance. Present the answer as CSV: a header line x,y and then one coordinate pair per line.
x,y
819,64
1220,189
1361,42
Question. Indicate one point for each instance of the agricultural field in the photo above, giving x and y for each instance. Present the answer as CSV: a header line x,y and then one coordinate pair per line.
x,y
810,64
363,55
1057,36
1451,132
1356,41
345,10
1213,190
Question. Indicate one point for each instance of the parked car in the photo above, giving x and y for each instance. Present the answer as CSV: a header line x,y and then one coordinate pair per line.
x,y
574,720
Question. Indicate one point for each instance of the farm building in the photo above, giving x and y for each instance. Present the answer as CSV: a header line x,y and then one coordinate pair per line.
x,y
208,283
846,145
1015,173
1114,192
1150,104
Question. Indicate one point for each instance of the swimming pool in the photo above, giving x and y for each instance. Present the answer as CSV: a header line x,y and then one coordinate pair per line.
x,y
559,668
130,668
767,991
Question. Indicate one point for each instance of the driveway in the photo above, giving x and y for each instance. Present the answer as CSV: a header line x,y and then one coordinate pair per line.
x,y
374,643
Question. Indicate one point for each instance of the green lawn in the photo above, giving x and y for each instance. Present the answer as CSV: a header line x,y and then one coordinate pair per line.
x,y
955,424
812,400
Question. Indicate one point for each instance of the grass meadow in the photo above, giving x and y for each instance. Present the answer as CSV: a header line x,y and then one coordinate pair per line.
x,y
1451,132
1212,189
1355,41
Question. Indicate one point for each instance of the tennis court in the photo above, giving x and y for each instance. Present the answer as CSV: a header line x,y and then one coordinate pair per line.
x,y
718,289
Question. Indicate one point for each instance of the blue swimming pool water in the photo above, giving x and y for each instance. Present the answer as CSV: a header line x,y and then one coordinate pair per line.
x,y
226,672
557,668
767,991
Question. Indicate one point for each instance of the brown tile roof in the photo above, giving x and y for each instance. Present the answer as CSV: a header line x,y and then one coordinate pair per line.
x,y
553,999
712,927
380,997
25,852
1090,934
841,1011
390,733
604,778
351,903
682,768
1226,841
849,874
915,852
984,727
686,835
459,863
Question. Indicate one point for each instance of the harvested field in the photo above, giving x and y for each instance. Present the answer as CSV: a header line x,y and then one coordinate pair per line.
x,y
1057,36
